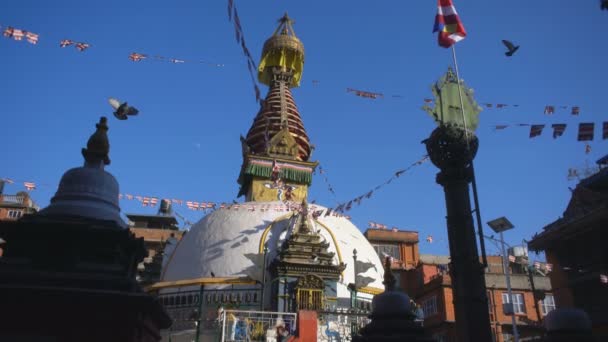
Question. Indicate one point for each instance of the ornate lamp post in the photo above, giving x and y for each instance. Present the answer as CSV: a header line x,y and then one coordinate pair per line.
x,y
452,147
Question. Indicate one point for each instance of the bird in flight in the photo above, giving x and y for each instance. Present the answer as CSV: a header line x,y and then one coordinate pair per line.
x,y
121,110
512,48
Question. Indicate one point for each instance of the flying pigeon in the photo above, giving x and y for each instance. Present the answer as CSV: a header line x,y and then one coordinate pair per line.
x,y
121,110
512,48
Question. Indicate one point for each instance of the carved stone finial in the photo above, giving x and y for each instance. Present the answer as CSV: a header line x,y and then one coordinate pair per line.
x,y
304,224
389,278
98,147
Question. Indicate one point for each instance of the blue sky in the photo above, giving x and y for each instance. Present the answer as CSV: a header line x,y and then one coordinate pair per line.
x,y
185,142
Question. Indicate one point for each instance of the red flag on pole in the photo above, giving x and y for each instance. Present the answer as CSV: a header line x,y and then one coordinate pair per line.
x,y
448,24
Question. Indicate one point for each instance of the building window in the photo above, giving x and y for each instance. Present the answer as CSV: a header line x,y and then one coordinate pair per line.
x,y
547,304
429,306
519,307
391,250
14,214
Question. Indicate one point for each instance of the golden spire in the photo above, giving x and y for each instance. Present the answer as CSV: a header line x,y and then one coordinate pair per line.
x,y
283,50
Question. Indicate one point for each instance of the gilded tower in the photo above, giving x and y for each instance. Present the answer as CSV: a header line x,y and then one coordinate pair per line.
x,y
277,150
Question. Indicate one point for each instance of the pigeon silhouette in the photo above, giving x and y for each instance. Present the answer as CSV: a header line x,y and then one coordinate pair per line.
x,y
121,110
512,48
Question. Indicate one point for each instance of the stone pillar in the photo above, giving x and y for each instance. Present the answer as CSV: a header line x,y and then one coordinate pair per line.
x,y
452,151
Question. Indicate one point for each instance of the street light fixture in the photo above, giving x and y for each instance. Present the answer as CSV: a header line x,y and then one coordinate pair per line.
x,y
500,225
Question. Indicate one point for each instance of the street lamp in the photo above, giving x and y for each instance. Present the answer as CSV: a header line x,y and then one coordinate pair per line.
x,y
263,279
499,225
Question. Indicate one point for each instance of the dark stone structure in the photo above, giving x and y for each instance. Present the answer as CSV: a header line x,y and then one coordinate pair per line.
x,y
68,272
392,316
452,150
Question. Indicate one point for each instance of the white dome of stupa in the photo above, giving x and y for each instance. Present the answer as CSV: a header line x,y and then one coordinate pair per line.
x,y
229,242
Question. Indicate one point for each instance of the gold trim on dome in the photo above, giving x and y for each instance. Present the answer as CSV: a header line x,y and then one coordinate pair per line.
x,y
267,229
201,281
370,290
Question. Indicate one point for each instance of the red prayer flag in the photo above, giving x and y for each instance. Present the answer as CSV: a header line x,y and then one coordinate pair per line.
x,y
536,130
585,131
575,110
558,130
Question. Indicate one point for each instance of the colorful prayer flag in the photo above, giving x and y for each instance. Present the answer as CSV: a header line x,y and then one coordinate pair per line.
x,y
31,37
82,46
136,57
29,186
65,42
558,130
536,130
575,110
17,34
230,6
448,24
549,110
429,239
8,32
585,131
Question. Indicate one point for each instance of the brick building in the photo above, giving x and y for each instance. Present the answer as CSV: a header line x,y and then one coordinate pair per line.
x,y
426,279
576,246
13,207
401,246
161,234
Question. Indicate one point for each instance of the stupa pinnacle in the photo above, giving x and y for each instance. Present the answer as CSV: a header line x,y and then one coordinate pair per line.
x,y
89,191
277,148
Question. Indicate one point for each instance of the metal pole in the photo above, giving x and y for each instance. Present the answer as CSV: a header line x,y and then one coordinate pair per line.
x,y
510,294
263,280
482,245
223,325
200,314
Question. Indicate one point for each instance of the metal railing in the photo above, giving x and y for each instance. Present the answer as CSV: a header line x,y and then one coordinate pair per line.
x,y
243,325
341,325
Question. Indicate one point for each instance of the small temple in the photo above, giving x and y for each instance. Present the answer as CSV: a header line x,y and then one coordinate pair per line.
x,y
71,267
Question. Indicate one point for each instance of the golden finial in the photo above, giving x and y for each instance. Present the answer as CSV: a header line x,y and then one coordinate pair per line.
x,y
284,51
